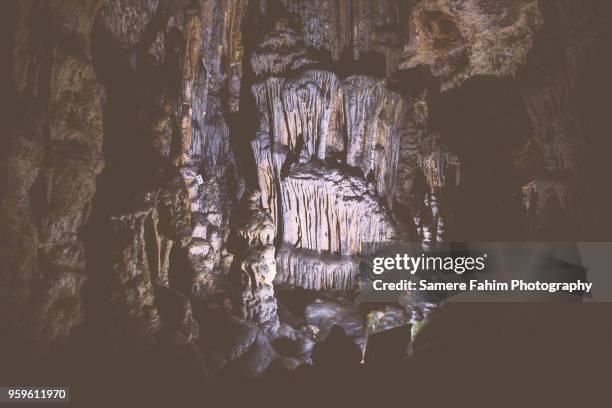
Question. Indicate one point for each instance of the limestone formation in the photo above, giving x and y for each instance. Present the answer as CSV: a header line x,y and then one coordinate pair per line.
x,y
223,46
140,253
330,211
198,180
303,121
458,40
310,269
176,315
441,169
358,27
257,266
296,115
133,298
281,50
318,108
324,313
49,166
210,155
127,19
204,250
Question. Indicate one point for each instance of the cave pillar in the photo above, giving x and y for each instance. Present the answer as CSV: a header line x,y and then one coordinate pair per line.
x,y
256,270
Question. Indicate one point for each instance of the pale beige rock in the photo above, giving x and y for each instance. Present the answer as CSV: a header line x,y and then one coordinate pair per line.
x,y
311,270
307,118
331,211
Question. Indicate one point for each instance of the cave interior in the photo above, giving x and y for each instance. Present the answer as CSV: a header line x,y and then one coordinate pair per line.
x,y
187,187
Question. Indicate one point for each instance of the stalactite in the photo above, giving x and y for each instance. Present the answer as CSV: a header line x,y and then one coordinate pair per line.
x,y
329,211
357,26
315,271
308,110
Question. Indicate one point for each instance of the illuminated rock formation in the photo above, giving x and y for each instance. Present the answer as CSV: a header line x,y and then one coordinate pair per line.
x,y
330,211
315,271
133,129
296,115
306,117
316,206
257,266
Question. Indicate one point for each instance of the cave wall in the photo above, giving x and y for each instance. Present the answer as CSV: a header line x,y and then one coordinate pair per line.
x,y
161,154
52,153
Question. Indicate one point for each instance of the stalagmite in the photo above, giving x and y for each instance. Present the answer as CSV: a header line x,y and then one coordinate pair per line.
x,y
257,266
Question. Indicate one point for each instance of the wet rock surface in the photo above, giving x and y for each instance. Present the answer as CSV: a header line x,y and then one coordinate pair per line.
x,y
325,313
385,318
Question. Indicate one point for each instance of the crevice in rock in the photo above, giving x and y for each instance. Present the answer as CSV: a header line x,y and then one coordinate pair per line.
x,y
483,122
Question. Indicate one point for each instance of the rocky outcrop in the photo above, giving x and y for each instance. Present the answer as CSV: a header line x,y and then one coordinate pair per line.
x,y
476,37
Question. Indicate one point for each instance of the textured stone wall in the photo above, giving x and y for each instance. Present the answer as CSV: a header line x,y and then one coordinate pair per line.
x,y
256,267
133,129
329,211
52,155
458,40
317,117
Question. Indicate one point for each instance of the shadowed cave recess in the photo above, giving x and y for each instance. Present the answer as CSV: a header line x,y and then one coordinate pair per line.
x,y
187,187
